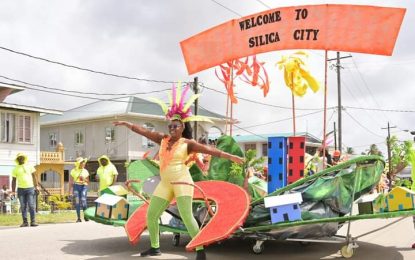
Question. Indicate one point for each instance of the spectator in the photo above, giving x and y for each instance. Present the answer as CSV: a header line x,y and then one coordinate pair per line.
x,y
336,157
106,173
4,197
27,186
78,186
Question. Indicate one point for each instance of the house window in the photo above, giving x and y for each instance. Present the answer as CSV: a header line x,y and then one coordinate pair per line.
x,y
7,127
145,141
250,147
79,137
295,206
109,134
43,177
274,210
53,137
264,150
24,129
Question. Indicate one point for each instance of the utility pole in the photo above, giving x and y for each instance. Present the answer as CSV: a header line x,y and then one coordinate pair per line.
x,y
388,143
339,96
335,136
196,91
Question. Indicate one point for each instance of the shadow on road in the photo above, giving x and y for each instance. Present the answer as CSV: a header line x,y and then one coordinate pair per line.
x,y
119,248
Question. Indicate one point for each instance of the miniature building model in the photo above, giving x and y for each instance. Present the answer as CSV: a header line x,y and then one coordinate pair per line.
x,y
296,152
111,207
277,163
284,207
117,190
370,204
400,198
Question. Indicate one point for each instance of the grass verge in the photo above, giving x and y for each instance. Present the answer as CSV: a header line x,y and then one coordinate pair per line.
x,y
59,217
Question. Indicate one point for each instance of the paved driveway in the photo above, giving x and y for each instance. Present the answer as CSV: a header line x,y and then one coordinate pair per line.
x,y
90,240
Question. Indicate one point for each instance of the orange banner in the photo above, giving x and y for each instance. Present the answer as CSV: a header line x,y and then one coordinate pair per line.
x,y
351,28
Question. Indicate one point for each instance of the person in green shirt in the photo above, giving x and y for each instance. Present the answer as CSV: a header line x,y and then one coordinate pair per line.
x,y
78,186
27,186
106,173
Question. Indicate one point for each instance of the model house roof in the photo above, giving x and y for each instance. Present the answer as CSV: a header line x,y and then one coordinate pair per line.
x,y
280,200
109,199
401,190
116,190
368,198
116,107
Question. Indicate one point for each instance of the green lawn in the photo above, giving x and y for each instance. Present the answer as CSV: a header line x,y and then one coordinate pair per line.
x,y
16,219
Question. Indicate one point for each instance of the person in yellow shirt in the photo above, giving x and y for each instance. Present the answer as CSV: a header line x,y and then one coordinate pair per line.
x,y
411,161
27,186
106,173
78,186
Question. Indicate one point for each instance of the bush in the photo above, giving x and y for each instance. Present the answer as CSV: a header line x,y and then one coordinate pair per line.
x,y
43,206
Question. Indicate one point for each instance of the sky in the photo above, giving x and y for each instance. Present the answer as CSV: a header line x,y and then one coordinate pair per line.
x,y
141,39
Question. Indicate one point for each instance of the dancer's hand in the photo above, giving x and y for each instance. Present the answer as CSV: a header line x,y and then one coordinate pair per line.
x,y
236,159
125,123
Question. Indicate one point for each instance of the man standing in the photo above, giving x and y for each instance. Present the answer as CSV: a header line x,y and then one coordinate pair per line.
x,y
27,185
106,173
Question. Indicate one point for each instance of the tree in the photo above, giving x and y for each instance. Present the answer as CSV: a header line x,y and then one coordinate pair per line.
x,y
374,150
349,150
400,152
238,173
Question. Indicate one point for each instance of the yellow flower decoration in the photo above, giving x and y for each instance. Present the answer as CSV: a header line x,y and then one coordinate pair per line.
x,y
296,75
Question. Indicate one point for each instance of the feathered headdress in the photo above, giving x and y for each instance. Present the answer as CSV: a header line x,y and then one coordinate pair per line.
x,y
178,109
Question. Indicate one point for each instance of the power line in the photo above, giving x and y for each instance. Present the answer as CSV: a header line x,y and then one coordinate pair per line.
x,y
264,4
67,94
357,122
358,101
86,69
243,129
260,103
281,120
382,110
85,93
227,8
367,87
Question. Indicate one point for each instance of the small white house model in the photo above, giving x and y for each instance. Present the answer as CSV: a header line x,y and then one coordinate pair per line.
x,y
284,207
111,207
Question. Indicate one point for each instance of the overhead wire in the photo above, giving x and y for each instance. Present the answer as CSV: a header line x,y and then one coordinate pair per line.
x,y
227,8
64,94
367,87
264,4
281,120
358,101
259,103
362,126
82,92
85,69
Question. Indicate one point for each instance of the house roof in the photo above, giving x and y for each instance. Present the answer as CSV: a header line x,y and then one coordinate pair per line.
x,y
6,90
280,200
116,189
109,199
30,108
264,137
115,107
400,189
368,198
